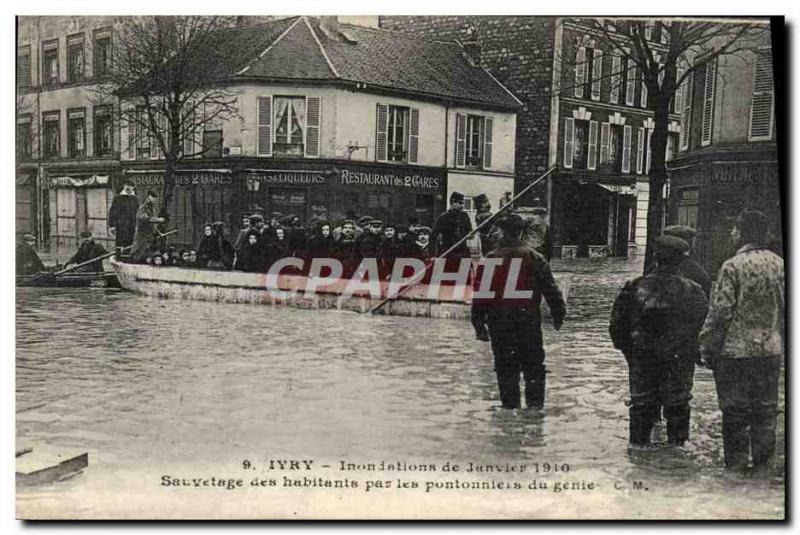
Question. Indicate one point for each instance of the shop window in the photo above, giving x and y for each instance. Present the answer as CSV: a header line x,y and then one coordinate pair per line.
x,y
24,140
50,63
212,144
290,120
103,131
75,59
52,134
24,68
102,54
76,134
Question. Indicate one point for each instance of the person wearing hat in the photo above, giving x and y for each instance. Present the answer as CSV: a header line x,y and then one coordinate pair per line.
x,y
452,226
28,261
88,250
146,220
513,322
483,212
742,341
345,247
689,267
362,223
537,232
368,245
655,323
241,237
122,215
296,238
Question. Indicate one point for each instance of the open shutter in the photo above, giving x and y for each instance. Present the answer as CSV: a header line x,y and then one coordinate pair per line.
x,y
413,135
569,141
626,149
649,148
488,123
381,135
639,150
708,102
461,140
686,112
643,99
580,71
762,116
677,96
630,85
597,73
264,126
313,121
605,134
616,78
592,152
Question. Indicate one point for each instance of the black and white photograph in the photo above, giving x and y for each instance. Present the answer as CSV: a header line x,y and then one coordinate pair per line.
x,y
400,267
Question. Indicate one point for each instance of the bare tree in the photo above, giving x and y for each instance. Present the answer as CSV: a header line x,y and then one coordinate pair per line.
x,y
664,62
170,86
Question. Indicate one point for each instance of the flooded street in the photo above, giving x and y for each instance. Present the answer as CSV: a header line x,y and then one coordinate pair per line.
x,y
153,387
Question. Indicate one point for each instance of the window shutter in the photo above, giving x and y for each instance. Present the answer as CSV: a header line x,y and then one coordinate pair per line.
x,y
708,102
413,135
639,150
649,146
670,148
605,134
461,140
677,96
313,121
643,98
626,149
580,71
592,152
264,126
488,126
569,141
686,112
616,79
597,73
630,86
381,133
761,109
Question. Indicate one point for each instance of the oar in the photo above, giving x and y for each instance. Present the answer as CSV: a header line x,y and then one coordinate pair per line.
x,y
416,278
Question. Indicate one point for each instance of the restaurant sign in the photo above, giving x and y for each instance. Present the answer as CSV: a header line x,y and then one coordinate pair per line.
x,y
402,178
182,178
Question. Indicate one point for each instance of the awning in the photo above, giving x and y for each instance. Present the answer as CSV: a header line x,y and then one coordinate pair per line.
x,y
78,182
619,188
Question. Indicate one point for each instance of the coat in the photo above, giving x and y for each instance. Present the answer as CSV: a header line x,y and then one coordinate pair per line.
x,y
122,217
451,226
692,270
88,250
28,262
250,258
658,315
746,317
538,238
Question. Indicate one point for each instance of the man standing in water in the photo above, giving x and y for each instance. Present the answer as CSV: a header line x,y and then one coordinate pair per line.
x,y
146,221
742,341
655,322
509,314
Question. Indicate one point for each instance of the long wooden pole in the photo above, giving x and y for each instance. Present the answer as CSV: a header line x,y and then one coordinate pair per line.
x,y
417,277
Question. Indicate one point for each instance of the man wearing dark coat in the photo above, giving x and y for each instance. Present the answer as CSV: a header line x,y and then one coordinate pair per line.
x,y
452,226
513,322
122,215
88,250
28,262
689,267
655,322
368,245
482,213
146,220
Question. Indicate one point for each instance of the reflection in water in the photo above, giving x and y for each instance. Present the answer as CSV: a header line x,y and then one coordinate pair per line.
x,y
144,382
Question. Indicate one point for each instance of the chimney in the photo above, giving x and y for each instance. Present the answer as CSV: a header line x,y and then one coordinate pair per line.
x,y
472,47
330,26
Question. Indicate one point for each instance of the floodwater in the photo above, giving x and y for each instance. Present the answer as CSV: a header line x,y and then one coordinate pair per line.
x,y
190,389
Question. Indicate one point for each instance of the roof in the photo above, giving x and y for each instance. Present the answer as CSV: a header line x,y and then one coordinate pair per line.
x,y
297,48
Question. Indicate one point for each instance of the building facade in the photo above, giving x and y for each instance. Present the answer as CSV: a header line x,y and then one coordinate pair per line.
x,y
727,159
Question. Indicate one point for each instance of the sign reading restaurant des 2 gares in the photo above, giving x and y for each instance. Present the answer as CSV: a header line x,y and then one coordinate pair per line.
x,y
194,178
402,178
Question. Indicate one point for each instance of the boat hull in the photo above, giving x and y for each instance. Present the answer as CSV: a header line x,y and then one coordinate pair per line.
x,y
70,280
450,302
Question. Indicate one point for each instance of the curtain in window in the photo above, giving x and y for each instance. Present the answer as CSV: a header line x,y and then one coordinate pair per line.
x,y
282,120
298,120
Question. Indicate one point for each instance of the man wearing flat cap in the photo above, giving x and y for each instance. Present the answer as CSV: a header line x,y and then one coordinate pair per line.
x,y
513,320
689,267
743,342
452,226
654,323
88,250
483,211
28,262
146,220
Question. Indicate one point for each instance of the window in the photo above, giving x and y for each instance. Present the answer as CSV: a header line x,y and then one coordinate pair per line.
x,y
640,150
670,154
616,78
76,133
474,155
687,89
52,134
615,146
630,83
396,134
597,72
581,71
24,141
75,57
102,54
50,63
761,109
688,201
605,134
103,131
212,144
579,158
290,122
142,137
474,141
24,68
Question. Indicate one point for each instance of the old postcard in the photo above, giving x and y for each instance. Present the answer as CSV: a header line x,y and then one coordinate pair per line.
x,y
399,267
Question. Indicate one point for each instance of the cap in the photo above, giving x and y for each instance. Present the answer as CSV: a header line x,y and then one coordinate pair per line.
x,y
151,193
86,234
256,217
667,246
539,210
375,221
424,230
365,219
29,237
681,231
348,222
456,196
479,199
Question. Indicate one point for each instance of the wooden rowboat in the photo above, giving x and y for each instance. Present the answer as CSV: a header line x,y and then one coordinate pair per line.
x,y
103,279
451,302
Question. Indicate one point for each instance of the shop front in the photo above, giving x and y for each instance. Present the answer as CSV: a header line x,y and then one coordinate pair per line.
x,y
78,203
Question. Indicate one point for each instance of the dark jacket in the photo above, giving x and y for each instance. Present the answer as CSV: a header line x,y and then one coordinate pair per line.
x,y
693,271
296,241
88,250
658,316
28,262
450,227
251,258
368,245
320,247
534,276
538,238
122,216
346,249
